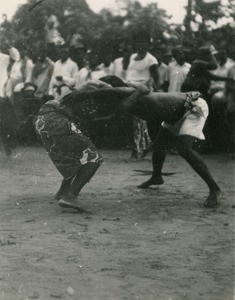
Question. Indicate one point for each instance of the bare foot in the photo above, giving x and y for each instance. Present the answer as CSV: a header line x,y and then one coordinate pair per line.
x,y
71,203
151,181
213,199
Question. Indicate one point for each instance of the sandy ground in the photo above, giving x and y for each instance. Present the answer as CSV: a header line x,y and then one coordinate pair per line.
x,y
156,244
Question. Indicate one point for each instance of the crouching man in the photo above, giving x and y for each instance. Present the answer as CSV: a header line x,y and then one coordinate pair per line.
x,y
183,116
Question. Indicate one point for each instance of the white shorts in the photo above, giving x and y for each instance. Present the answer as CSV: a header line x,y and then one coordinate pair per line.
x,y
192,122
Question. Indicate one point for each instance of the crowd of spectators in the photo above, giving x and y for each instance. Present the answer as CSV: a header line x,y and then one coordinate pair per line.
x,y
39,74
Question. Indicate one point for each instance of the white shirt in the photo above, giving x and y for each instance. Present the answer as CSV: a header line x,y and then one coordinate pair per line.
x,y
67,70
4,62
85,74
15,77
138,70
176,75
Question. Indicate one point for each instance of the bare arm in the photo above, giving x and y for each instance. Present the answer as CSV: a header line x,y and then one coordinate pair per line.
x,y
220,78
102,94
132,100
154,74
112,92
209,65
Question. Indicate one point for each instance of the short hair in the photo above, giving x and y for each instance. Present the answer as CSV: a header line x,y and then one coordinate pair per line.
x,y
203,52
177,50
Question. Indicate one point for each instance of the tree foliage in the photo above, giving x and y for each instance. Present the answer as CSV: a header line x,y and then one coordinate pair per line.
x,y
103,31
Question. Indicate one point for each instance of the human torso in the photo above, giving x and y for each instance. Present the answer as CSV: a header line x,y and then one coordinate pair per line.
x,y
177,75
139,70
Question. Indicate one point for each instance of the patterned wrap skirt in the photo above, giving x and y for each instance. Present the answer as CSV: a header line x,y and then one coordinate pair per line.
x,y
67,146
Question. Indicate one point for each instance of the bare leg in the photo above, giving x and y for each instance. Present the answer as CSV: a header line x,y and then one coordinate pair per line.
x,y
184,147
161,139
158,159
69,200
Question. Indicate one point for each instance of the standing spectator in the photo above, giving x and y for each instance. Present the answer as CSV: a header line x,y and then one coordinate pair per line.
x,y
142,68
177,71
42,74
64,71
91,71
26,70
198,79
217,87
26,65
14,72
121,63
4,62
53,37
230,110
107,63
164,57
77,47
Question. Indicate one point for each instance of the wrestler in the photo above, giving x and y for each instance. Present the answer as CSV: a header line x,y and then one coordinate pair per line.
x,y
183,116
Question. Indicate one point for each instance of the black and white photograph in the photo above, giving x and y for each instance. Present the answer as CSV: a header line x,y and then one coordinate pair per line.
x,y
117,149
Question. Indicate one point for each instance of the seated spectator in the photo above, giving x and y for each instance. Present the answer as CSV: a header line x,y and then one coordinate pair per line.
x,y
64,72
42,74
177,71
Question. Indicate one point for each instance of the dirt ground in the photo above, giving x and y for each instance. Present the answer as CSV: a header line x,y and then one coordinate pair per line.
x,y
156,244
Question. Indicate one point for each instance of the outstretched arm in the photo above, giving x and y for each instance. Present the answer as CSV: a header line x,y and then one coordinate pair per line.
x,y
131,101
112,94
220,78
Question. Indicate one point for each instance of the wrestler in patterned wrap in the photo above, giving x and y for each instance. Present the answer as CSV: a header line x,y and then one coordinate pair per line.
x,y
62,136
71,150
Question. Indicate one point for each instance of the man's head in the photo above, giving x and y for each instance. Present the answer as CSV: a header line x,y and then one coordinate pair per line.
x,y
141,42
92,58
222,57
124,47
64,52
179,55
42,55
163,55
